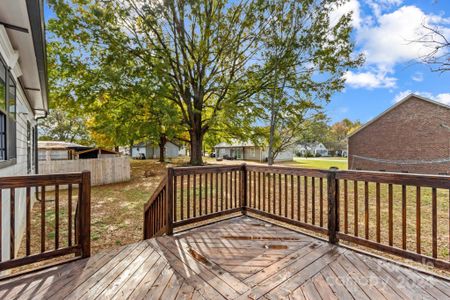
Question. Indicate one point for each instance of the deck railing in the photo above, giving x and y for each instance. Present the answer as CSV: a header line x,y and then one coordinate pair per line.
x,y
402,214
57,225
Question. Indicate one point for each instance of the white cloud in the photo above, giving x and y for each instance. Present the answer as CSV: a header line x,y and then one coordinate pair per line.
x,y
418,76
350,6
369,80
442,98
391,41
379,5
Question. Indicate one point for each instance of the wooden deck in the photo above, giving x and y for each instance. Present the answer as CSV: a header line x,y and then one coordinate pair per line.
x,y
241,258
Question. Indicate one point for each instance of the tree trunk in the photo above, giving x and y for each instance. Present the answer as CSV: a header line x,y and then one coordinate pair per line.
x,y
196,135
196,149
162,148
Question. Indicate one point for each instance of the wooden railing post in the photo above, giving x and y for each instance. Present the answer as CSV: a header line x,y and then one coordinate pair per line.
x,y
244,187
85,214
333,206
170,200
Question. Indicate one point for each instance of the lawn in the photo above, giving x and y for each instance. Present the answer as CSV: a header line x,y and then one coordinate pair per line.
x,y
319,162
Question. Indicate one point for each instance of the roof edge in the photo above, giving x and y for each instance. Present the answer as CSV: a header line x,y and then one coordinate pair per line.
x,y
35,10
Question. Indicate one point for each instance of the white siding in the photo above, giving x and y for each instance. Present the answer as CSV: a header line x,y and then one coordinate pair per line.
x,y
24,114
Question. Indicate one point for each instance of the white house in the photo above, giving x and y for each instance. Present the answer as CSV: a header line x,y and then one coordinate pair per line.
x,y
249,151
315,149
23,99
149,150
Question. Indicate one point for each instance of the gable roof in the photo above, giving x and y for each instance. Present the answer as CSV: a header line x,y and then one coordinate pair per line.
x,y
407,98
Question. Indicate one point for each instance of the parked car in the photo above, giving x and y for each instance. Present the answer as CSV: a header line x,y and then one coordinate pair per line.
x,y
213,154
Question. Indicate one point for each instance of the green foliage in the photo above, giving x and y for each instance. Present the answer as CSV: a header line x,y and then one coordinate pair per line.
x,y
198,70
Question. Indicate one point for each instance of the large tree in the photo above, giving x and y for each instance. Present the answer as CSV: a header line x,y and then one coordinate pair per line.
x,y
210,56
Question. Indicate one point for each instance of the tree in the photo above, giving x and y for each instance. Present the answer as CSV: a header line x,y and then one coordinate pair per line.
x,y
438,45
58,126
306,57
206,55
338,134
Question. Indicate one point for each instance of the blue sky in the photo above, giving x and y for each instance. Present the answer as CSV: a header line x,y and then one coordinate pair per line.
x,y
382,31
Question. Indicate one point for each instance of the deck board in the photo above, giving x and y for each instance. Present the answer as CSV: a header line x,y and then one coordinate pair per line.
x,y
240,258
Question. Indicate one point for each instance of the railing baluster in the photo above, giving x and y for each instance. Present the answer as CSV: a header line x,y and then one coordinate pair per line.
x,y
28,221
378,212
292,197
12,200
206,193
366,209
305,191
403,216
211,187
390,214
285,196
200,196
298,197
355,204
194,213
43,218
313,199
345,207
321,201
175,197
280,195
254,183
188,193
69,212
56,217
434,221
226,191
182,197
264,191
217,192
221,191
235,189
259,190
418,208
274,196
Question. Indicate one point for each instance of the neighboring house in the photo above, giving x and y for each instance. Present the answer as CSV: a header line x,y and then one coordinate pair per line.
x,y
150,150
249,151
412,136
57,150
23,99
315,149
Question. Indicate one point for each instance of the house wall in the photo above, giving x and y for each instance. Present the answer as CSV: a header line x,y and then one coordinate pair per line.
x,y
47,154
171,151
414,130
24,114
152,151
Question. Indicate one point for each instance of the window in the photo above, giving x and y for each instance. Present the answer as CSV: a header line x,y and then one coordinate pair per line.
x,y
2,136
8,92
11,97
2,85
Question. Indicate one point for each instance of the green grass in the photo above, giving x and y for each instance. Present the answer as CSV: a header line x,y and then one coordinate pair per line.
x,y
319,163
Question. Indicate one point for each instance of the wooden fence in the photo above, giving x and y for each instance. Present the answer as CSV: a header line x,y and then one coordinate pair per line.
x,y
103,170
62,225
402,214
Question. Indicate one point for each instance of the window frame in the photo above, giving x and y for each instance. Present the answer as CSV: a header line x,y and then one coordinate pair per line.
x,y
10,129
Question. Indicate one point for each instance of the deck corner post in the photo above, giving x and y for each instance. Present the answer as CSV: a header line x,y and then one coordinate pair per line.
x,y
244,189
333,205
85,215
170,200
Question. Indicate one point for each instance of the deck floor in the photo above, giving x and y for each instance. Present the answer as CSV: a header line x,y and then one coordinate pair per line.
x,y
241,258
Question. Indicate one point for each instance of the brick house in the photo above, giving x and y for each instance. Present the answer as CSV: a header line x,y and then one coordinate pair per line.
x,y
412,136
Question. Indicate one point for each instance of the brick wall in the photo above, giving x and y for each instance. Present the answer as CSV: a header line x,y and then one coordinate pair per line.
x,y
411,131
